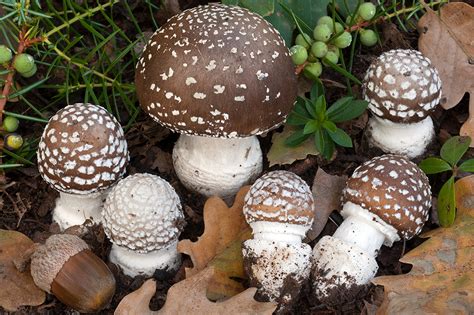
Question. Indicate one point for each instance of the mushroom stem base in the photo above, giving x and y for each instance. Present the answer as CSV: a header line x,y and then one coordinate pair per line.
x,y
76,209
136,264
216,166
399,138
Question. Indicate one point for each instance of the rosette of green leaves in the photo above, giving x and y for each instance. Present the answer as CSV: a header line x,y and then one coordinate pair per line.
x,y
451,153
314,118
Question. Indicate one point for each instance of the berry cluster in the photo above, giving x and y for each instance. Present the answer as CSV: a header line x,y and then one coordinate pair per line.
x,y
24,64
12,141
328,38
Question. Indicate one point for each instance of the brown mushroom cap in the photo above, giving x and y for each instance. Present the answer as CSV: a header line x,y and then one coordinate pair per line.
x,y
82,150
216,71
280,196
394,189
402,86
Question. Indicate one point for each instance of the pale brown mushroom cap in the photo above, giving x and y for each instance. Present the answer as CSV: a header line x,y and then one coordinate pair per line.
x,y
394,189
82,150
402,85
216,71
280,196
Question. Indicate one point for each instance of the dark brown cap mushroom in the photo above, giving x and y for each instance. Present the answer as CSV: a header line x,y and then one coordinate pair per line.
x,y
216,71
401,85
395,190
82,150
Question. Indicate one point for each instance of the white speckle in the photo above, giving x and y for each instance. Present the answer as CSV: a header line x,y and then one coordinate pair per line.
x,y
219,89
199,95
190,80
239,98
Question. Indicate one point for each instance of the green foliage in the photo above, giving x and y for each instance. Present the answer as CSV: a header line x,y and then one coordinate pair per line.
x,y
451,153
313,118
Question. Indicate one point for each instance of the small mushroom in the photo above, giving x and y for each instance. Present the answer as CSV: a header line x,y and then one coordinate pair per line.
x,y
386,199
402,88
279,209
82,152
143,219
65,267
213,73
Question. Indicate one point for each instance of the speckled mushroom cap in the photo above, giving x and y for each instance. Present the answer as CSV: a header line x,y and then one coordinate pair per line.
x,y
402,86
82,150
280,196
394,189
216,71
48,259
142,213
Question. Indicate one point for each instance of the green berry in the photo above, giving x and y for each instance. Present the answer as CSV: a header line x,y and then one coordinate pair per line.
x,y
304,40
367,11
24,63
327,20
322,33
298,54
13,141
313,70
338,27
5,54
368,37
319,49
30,73
332,57
10,124
334,50
343,40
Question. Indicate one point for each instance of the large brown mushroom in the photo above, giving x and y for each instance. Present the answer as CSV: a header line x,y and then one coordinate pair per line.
x,y
213,73
402,88
82,152
386,199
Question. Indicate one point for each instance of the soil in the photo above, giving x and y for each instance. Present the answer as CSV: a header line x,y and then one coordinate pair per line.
x,y
27,199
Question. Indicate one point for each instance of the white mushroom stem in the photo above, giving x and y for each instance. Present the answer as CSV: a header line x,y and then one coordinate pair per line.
x,y
216,166
348,257
76,209
134,264
399,138
278,232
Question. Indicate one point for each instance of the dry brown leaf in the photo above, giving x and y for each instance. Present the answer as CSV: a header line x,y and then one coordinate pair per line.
x,y
327,191
16,288
189,297
447,40
281,154
220,245
442,278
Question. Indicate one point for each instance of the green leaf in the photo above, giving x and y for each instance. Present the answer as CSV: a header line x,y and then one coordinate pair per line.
x,y
319,141
453,149
347,7
447,203
316,90
311,127
346,109
283,23
433,165
295,119
230,2
300,107
307,10
341,138
329,126
310,108
296,138
320,106
467,166
329,145
262,7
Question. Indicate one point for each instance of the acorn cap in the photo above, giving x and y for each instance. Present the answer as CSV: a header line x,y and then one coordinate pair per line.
x,y
48,259
394,189
216,71
82,150
142,213
280,196
402,85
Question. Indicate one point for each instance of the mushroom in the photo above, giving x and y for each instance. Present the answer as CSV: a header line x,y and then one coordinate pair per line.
x,y
386,199
65,267
142,217
213,73
279,209
402,88
82,152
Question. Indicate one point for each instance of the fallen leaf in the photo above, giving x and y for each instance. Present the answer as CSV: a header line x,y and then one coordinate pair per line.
x,y
442,278
17,288
327,191
447,40
189,297
281,154
220,246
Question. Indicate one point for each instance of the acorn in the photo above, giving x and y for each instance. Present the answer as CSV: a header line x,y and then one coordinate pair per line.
x,y
65,267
